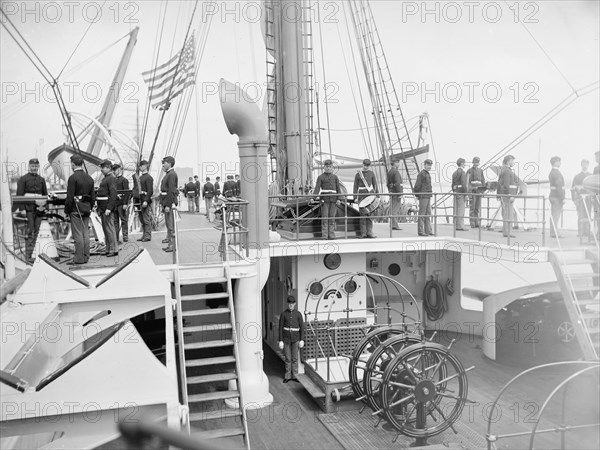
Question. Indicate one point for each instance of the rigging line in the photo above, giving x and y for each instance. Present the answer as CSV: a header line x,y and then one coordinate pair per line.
x,y
35,64
39,61
367,142
85,61
80,41
324,80
544,52
157,45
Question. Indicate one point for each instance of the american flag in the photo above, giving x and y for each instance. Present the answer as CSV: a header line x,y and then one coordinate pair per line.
x,y
173,76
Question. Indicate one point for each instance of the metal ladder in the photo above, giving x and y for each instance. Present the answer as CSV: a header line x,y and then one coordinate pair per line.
x,y
581,296
392,132
208,349
271,86
309,77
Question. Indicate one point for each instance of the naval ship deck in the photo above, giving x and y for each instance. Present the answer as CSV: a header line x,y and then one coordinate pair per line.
x,y
295,421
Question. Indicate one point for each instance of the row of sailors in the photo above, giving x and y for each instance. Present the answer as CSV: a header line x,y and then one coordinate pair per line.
x,y
210,192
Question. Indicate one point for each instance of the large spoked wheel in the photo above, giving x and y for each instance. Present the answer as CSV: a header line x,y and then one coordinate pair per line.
x,y
362,352
378,362
424,377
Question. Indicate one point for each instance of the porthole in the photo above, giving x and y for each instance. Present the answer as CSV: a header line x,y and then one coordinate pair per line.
x,y
350,286
394,269
315,288
332,261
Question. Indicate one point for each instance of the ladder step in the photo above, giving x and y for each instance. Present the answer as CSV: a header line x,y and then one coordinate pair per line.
x,y
187,298
208,328
210,361
581,276
579,261
211,377
188,281
210,396
218,433
218,414
208,344
205,312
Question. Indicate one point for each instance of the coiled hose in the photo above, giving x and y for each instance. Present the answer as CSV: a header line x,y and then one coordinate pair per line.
x,y
435,310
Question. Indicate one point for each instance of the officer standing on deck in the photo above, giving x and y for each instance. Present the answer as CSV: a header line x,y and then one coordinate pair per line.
x,y
394,184
208,191
33,184
146,192
229,188
328,184
121,215
78,206
424,191
475,185
365,184
198,189
217,190
459,187
106,203
507,185
168,199
557,195
291,338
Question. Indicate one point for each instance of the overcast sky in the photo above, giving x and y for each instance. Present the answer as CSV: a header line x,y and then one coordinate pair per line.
x,y
472,66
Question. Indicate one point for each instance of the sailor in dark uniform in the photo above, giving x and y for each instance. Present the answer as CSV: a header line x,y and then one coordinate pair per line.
x,y
507,185
198,189
121,216
365,184
208,191
557,195
238,184
168,200
328,184
78,206
476,187
394,184
423,190
291,338
229,188
217,190
33,184
146,192
582,200
106,200
459,187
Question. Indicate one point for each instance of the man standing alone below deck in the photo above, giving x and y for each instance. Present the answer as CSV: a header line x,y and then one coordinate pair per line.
x,y
328,184
476,187
146,192
394,184
33,184
168,200
107,202
423,190
291,338
557,195
459,187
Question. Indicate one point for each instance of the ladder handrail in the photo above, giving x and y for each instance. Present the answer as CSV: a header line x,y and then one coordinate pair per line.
x,y
234,335
180,338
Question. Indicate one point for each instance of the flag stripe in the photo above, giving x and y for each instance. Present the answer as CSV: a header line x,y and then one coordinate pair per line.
x,y
179,91
181,78
150,73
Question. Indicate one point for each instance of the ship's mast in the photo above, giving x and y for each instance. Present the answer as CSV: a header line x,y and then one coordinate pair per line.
x,y
289,93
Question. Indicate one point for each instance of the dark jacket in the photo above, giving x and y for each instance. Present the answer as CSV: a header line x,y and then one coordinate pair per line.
x,y
291,319
359,186
475,179
328,183
423,188
31,183
507,182
238,188
217,188
122,184
459,180
208,190
107,188
80,184
198,188
146,188
190,188
229,188
168,189
557,184
394,181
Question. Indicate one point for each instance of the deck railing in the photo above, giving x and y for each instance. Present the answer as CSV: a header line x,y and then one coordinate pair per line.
x,y
529,212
